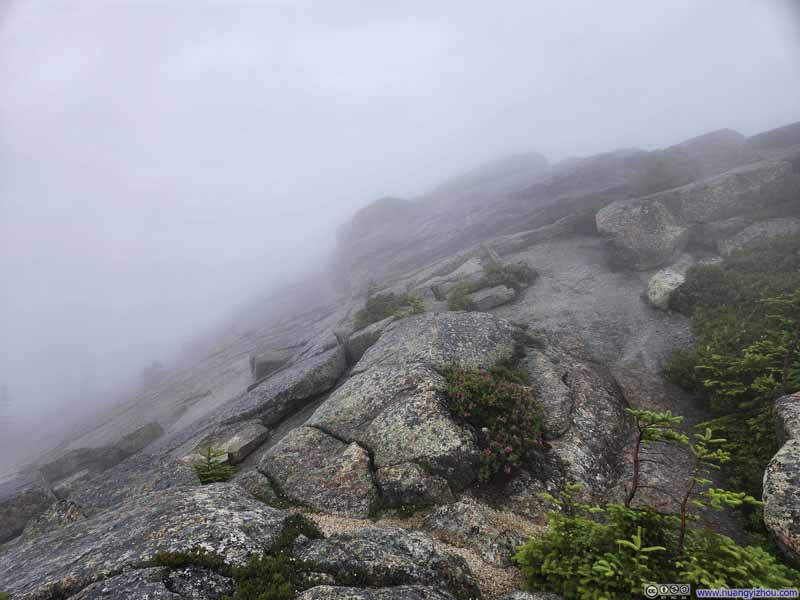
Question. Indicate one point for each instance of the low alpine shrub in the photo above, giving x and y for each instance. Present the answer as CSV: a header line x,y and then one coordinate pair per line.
x,y
458,298
503,414
516,276
381,306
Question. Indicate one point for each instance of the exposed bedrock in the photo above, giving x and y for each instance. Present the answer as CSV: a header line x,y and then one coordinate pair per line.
x,y
218,518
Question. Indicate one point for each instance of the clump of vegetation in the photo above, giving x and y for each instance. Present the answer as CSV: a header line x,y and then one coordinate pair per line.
x,y
501,408
213,469
516,276
611,552
381,306
5,596
745,316
276,575
459,297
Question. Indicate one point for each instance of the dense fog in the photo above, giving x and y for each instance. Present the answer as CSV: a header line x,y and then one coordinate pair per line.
x,y
163,162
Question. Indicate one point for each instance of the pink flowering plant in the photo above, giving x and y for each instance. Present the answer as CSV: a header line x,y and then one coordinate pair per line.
x,y
503,414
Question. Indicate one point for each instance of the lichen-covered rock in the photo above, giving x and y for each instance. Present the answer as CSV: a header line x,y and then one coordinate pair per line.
x,y
140,474
409,485
160,584
21,499
652,231
313,468
664,282
759,231
490,298
787,417
217,518
468,524
400,592
59,515
781,498
387,556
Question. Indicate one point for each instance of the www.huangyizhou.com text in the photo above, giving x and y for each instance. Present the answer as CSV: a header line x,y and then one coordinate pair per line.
x,y
747,593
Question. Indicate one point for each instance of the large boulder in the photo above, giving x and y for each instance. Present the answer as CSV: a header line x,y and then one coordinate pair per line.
x,y
665,281
644,234
650,232
781,501
216,518
393,407
22,498
387,556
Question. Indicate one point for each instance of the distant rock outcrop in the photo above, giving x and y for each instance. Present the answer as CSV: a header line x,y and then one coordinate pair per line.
x,y
651,232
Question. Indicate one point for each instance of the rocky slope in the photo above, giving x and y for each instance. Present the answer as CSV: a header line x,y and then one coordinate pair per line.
x,y
351,429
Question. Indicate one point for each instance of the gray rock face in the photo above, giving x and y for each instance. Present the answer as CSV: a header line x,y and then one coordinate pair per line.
x,y
468,524
216,517
782,479
759,231
311,467
490,298
781,502
160,584
22,499
400,592
652,231
386,556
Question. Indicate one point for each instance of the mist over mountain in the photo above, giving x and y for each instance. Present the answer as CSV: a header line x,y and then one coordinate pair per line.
x,y
255,256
